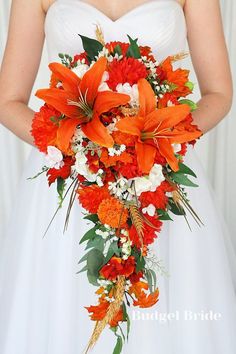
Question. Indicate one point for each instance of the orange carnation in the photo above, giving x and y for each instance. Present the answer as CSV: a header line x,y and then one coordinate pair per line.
x,y
112,212
90,197
44,131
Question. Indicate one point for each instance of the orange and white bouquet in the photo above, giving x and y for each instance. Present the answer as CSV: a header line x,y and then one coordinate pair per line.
x,y
115,128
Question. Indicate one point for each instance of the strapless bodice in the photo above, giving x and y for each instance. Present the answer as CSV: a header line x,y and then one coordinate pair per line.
x,y
159,24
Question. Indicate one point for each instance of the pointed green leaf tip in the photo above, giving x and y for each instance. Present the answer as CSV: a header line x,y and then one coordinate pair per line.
x,y
133,50
91,47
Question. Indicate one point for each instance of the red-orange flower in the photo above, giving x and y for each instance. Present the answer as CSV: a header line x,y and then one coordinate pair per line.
x,y
118,266
126,70
44,131
156,129
178,78
63,172
117,318
112,212
149,234
98,312
82,103
157,198
90,197
143,299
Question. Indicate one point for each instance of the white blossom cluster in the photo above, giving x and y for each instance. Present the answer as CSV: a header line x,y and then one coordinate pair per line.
x,y
81,68
105,53
116,150
53,158
151,182
150,65
121,189
126,247
161,89
109,232
132,91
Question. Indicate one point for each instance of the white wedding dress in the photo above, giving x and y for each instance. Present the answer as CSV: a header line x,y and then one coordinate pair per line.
x,y
42,298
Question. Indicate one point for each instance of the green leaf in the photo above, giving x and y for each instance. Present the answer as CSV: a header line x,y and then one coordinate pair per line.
x,y
133,50
191,104
92,217
190,85
163,215
149,280
92,278
154,277
117,49
113,249
84,258
83,269
186,170
119,345
180,178
126,318
89,235
175,210
140,263
61,184
91,47
95,260
97,243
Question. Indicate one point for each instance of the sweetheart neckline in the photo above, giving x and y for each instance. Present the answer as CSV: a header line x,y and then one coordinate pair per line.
x,y
128,13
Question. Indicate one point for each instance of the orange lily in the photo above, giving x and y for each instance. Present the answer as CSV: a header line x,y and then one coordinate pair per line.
x,y
82,103
156,129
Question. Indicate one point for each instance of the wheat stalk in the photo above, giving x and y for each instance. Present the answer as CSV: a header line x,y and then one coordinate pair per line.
x,y
113,309
99,34
179,56
137,221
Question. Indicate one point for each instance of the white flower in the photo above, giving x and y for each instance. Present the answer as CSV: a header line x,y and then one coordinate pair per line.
x,y
151,182
156,176
81,167
142,184
103,85
150,210
132,91
80,70
54,157
176,147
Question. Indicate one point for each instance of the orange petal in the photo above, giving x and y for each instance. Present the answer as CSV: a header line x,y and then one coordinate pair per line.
x,y
92,79
179,137
147,99
65,133
69,79
131,125
166,150
97,132
168,117
145,156
106,100
59,100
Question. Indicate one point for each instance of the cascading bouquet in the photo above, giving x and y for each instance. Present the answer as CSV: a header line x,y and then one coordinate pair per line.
x,y
114,129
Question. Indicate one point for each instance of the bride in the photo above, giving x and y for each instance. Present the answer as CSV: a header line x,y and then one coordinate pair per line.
x,y
42,298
